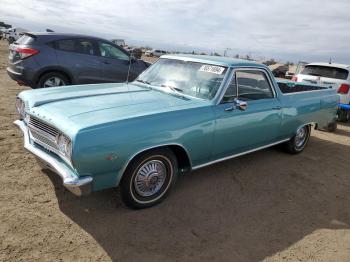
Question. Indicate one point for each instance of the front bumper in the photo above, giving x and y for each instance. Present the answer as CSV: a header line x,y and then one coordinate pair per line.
x,y
77,185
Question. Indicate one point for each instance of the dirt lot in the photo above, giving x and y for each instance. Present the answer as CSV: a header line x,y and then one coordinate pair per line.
x,y
264,206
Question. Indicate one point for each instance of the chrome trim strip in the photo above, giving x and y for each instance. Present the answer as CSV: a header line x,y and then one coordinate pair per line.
x,y
240,154
311,91
74,183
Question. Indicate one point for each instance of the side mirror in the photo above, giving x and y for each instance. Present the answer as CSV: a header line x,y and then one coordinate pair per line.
x,y
237,104
132,58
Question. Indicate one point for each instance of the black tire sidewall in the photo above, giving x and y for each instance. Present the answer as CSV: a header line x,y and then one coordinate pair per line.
x,y
291,146
128,193
46,76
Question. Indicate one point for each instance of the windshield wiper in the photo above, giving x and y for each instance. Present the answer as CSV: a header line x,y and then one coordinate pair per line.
x,y
174,89
143,81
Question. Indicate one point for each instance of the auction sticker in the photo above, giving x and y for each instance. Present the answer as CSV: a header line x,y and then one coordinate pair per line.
x,y
212,69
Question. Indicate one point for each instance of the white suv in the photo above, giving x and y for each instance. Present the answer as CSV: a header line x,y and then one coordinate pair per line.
x,y
13,34
336,76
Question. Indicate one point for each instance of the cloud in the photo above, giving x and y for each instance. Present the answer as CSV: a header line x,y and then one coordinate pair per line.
x,y
289,30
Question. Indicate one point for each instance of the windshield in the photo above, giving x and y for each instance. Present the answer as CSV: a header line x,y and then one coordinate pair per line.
x,y
326,71
185,77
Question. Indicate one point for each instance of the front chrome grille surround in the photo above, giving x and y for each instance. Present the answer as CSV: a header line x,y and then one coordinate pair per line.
x,y
45,136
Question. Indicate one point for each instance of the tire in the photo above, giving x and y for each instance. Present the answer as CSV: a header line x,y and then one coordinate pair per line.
x,y
343,115
136,192
297,144
332,127
11,40
47,80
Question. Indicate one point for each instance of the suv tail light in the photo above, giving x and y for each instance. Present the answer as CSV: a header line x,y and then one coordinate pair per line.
x,y
295,78
344,89
25,52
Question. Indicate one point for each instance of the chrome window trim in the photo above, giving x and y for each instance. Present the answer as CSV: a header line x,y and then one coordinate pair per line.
x,y
248,68
239,154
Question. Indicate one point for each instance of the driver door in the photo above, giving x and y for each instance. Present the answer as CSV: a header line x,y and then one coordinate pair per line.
x,y
238,131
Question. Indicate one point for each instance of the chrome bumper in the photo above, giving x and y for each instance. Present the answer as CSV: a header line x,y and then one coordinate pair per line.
x,y
77,185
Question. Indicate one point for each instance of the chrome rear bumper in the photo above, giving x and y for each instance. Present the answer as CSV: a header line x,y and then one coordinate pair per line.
x,y
77,185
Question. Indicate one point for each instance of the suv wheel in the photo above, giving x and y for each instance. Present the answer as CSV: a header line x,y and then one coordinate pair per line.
x,y
52,79
343,115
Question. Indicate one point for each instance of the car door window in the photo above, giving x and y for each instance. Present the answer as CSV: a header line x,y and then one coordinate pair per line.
x,y
253,85
110,51
80,46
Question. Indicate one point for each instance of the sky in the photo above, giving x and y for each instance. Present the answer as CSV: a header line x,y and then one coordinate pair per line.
x,y
297,30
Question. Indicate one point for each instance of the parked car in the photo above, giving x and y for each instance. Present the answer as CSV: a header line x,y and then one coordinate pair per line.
x,y
183,113
13,34
332,75
155,52
280,71
52,59
119,42
289,75
137,52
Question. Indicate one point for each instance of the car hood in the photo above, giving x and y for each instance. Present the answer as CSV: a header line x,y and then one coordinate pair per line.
x,y
75,108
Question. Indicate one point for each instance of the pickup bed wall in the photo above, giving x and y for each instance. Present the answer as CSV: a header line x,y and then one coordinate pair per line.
x,y
290,87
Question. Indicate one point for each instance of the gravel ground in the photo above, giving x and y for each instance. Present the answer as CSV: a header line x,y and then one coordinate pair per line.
x,y
267,206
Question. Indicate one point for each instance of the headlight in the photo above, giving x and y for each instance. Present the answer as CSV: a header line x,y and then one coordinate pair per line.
x,y
64,145
20,108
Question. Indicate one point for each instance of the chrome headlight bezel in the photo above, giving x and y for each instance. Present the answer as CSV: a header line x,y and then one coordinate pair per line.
x,y
21,108
64,145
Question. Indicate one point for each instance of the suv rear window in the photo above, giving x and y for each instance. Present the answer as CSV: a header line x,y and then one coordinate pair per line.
x,y
326,71
25,40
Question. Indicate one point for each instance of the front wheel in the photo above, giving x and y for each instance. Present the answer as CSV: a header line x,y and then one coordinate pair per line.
x,y
299,141
149,178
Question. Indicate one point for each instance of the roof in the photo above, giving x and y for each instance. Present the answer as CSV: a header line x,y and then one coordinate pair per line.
x,y
55,35
331,65
217,60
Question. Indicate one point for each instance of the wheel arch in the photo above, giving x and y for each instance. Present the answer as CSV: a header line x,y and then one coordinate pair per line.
x,y
54,69
180,152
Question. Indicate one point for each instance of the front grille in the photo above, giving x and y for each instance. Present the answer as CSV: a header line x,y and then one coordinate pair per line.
x,y
41,126
43,134
43,140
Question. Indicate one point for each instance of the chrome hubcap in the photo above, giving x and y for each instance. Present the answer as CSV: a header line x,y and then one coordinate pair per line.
x,y
300,137
54,81
150,178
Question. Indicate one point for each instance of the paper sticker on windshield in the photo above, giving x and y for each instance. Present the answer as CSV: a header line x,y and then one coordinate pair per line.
x,y
212,69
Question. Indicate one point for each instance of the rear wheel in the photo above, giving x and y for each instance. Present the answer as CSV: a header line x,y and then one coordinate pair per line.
x,y
52,79
299,141
343,115
149,178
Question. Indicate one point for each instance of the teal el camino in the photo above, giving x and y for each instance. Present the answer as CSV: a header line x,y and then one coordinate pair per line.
x,y
183,113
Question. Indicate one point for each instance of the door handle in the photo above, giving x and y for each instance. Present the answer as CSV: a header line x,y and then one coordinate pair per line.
x,y
277,108
106,62
231,108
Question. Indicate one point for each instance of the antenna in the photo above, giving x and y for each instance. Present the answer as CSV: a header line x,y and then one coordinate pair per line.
x,y
127,77
330,60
